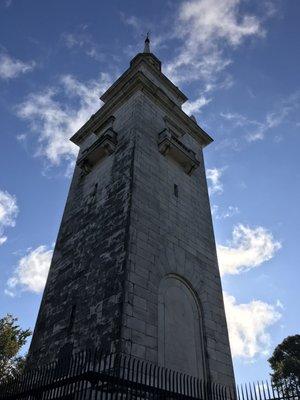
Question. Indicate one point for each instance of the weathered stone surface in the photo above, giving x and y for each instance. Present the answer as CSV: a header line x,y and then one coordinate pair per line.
x,y
125,230
173,235
88,266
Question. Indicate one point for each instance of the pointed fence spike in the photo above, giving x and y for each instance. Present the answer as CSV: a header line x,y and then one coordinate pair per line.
x,y
169,379
259,392
263,389
194,394
190,385
152,374
159,373
255,390
177,382
184,384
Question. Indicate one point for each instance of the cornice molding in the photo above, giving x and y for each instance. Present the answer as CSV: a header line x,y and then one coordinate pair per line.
x,y
136,62
139,82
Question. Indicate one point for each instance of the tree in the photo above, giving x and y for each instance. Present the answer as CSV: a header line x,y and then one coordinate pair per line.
x,y
285,363
12,339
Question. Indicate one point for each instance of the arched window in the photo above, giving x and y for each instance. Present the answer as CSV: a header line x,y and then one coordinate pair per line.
x,y
180,333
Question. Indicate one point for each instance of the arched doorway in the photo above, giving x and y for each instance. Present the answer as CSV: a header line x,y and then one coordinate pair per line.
x,y
180,332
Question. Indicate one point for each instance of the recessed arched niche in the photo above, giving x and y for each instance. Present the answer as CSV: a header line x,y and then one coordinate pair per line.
x,y
180,331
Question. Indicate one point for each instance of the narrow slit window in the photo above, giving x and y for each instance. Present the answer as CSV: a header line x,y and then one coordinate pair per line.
x,y
95,190
175,190
72,318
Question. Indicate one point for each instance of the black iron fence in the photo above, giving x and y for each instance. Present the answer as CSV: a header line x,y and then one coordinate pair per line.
x,y
94,376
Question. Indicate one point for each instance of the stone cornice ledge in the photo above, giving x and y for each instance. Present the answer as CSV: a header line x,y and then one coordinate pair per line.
x,y
139,82
136,63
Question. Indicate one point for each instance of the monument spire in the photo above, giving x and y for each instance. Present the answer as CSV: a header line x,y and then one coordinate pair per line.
x,y
147,44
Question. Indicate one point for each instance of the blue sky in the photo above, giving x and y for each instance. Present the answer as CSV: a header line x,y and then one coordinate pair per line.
x,y
238,63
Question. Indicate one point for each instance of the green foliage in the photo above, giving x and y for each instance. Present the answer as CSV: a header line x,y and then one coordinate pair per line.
x,y
285,363
12,338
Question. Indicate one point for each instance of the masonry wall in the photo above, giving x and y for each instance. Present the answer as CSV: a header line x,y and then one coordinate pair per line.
x,y
82,302
123,231
171,235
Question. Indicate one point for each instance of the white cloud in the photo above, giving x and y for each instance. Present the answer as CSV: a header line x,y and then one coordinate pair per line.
x,y
131,20
56,113
238,119
248,323
22,137
229,212
8,213
249,248
279,304
31,272
7,3
141,27
191,107
272,120
189,66
215,20
12,67
214,210
83,41
205,28
214,177
73,40
256,130
248,326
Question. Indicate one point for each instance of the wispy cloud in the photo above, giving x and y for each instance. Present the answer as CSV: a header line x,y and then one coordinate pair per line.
x,y
31,272
205,28
140,27
57,112
248,325
273,120
238,119
215,184
205,32
228,212
131,20
84,42
216,20
255,129
12,67
193,107
248,248
6,3
8,213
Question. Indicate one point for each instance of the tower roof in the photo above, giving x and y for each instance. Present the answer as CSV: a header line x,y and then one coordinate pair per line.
x,y
148,63
144,74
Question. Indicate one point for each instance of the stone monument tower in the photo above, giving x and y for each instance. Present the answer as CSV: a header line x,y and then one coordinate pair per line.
x,y
134,268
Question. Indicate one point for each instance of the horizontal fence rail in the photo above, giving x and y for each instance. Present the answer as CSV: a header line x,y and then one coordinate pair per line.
x,y
94,375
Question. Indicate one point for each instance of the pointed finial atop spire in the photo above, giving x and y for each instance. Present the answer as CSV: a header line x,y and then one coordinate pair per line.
x,y
147,44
